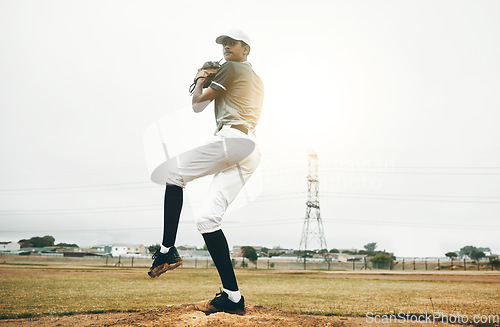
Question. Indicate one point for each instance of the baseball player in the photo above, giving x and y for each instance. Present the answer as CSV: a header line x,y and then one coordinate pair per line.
x,y
231,155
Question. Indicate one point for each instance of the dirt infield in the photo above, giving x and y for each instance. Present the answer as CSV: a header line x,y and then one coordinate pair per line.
x,y
187,316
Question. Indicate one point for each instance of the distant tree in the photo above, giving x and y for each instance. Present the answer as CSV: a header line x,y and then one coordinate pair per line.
x,y
484,250
476,255
370,246
382,259
153,248
467,250
494,263
67,245
334,251
265,250
350,252
48,240
451,255
249,253
40,242
322,251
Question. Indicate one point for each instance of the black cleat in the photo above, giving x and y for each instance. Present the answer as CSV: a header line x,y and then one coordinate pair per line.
x,y
222,303
164,262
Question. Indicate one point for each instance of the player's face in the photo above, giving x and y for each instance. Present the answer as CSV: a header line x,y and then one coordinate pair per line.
x,y
234,50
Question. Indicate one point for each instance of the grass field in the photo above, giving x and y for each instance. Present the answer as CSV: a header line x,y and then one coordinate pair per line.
x,y
27,291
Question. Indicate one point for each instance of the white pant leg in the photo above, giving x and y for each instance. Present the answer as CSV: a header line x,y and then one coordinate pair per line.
x,y
232,156
224,150
223,190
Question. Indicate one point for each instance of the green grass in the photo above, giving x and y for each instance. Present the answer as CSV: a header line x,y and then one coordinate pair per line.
x,y
32,291
355,297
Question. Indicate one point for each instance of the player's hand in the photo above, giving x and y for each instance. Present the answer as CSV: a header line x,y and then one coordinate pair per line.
x,y
200,73
205,72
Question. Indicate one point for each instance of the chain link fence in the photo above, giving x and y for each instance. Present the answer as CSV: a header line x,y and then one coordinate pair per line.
x,y
400,264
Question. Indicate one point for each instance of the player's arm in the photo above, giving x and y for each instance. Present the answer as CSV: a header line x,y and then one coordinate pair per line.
x,y
201,99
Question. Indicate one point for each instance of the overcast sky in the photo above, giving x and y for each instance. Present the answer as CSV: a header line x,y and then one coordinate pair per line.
x,y
399,99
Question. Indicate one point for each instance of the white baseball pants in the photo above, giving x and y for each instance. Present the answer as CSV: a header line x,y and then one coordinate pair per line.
x,y
232,156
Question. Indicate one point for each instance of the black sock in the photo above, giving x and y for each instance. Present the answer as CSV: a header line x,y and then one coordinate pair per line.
x,y
219,250
172,207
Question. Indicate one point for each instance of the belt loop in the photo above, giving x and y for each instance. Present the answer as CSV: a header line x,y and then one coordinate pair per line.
x,y
225,150
241,128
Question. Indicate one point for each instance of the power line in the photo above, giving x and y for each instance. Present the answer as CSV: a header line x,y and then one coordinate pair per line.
x,y
412,224
81,210
145,207
284,171
281,222
371,171
444,167
417,195
130,185
418,198
368,222
266,198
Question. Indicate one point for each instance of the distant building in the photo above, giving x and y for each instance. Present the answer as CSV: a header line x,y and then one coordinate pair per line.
x,y
200,254
38,250
190,251
186,248
348,250
119,249
287,256
90,251
70,250
344,257
279,251
103,249
9,246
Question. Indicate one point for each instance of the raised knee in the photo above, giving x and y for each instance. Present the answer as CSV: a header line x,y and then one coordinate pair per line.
x,y
208,224
175,179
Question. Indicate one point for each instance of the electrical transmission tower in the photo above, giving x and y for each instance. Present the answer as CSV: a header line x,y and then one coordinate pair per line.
x,y
312,232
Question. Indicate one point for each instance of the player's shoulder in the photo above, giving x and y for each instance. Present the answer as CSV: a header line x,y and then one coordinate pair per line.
x,y
237,66
228,64
227,68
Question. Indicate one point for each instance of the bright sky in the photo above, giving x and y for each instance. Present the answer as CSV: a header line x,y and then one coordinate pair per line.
x,y
398,98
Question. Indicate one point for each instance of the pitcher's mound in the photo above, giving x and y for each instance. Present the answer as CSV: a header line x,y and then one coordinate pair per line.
x,y
186,316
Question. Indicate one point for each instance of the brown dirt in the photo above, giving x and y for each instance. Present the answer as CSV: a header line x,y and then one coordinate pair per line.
x,y
186,316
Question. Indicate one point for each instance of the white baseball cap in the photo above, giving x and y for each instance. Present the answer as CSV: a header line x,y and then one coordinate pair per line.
x,y
234,34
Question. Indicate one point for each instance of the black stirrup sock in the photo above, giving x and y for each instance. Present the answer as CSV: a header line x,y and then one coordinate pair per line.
x,y
219,250
172,207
